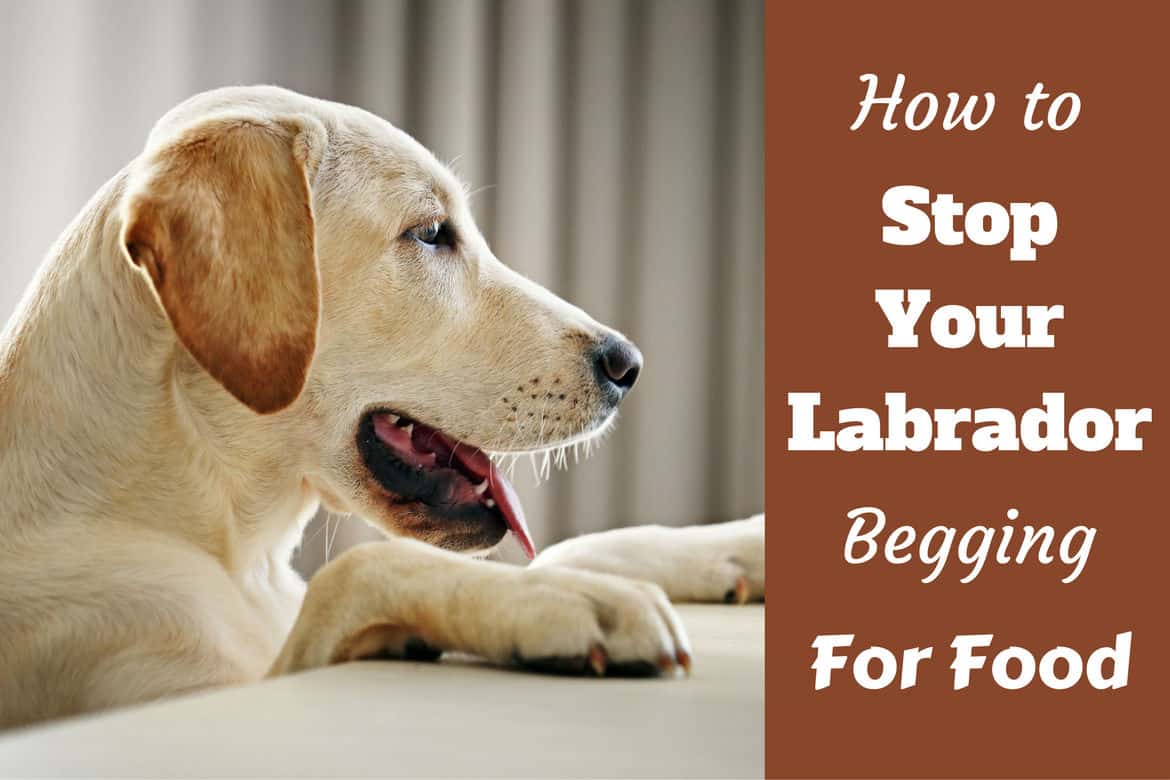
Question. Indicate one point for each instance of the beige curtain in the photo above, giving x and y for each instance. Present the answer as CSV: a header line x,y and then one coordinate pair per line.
x,y
618,145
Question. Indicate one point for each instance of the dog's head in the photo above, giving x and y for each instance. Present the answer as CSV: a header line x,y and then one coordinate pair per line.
x,y
324,269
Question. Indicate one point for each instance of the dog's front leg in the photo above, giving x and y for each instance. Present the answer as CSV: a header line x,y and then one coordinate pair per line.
x,y
705,563
402,598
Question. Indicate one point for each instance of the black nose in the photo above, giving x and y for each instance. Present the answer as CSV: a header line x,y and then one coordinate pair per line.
x,y
618,362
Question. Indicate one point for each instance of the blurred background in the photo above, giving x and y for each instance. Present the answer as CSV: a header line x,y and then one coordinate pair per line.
x,y
618,152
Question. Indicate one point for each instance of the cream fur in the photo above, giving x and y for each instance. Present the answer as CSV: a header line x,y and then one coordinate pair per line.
x,y
148,514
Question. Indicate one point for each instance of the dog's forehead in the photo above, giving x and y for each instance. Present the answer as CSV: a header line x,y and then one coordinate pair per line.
x,y
369,166
258,101
369,149
366,152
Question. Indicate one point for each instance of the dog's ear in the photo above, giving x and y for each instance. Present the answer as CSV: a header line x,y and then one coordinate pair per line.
x,y
220,218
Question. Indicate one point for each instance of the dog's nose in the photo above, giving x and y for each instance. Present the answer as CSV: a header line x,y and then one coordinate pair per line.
x,y
618,362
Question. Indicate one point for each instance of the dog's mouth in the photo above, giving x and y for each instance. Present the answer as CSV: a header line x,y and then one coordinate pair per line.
x,y
420,464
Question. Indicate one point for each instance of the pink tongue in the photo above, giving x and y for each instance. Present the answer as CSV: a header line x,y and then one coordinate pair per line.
x,y
509,504
473,461
501,490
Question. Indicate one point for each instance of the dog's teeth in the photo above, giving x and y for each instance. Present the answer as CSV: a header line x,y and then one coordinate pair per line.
x,y
481,488
408,428
490,504
393,418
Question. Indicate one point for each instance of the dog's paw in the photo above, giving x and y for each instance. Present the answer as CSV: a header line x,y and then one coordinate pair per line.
x,y
723,562
574,622
728,566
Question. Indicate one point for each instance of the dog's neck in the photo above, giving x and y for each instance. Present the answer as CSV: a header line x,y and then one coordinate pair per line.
x,y
103,414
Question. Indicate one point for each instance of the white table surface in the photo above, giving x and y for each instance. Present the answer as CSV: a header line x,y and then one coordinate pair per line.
x,y
451,719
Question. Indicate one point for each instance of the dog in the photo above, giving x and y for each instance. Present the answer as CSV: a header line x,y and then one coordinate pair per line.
x,y
284,302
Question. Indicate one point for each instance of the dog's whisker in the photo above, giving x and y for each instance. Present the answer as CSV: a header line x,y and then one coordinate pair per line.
x,y
545,455
328,543
313,538
484,188
337,520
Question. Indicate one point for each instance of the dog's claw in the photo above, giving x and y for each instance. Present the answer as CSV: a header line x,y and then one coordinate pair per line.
x,y
666,663
684,660
597,660
741,590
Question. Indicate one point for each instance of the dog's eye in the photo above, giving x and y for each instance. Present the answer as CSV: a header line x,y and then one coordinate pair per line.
x,y
433,234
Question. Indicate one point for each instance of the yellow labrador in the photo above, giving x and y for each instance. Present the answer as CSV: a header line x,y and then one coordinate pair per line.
x,y
283,302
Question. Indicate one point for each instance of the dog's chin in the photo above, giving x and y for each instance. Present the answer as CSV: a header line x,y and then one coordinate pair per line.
x,y
429,486
467,531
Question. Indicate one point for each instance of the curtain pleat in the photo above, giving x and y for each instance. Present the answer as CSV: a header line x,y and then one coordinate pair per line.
x,y
598,194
